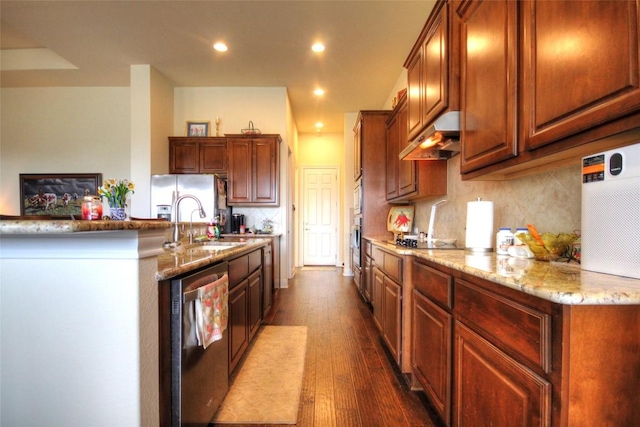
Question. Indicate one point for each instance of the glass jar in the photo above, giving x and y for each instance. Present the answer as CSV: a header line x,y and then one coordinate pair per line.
x,y
91,208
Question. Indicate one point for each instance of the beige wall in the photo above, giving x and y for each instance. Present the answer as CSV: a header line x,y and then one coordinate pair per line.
x,y
62,130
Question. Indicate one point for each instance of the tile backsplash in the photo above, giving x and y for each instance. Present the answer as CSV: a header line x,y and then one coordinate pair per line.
x,y
551,201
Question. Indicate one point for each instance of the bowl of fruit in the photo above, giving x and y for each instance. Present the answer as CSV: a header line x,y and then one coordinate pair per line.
x,y
547,246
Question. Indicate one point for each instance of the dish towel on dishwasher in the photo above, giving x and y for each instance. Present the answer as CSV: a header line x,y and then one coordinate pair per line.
x,y
212,311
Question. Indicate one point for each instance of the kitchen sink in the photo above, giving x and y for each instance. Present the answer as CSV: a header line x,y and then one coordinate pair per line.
x,y
215,245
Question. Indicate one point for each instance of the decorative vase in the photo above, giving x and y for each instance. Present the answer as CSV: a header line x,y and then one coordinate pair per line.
x,y
117,214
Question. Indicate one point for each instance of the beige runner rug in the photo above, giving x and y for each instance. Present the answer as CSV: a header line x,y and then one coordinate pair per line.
x,y
267,388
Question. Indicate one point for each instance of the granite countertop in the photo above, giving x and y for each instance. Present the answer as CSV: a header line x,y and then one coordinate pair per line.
x,y
252,235
563,283
48,226
186,258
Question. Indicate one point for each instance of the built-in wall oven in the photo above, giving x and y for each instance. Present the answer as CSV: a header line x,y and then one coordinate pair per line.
x,y
357,197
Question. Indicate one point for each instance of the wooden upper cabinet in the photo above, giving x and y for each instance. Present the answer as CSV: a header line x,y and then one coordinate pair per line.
x,y
414,92
239,176
213,156
432,71
581,66
393,149
265,170
357,150
410,179
544,83
253,170
488,82
197,155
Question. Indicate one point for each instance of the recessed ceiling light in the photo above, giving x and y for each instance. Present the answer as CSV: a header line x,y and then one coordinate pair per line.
x,y
318,92
317,47
220,47
319,125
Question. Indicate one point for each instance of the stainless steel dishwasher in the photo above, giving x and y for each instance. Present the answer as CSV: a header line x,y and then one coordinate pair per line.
x,y
199,377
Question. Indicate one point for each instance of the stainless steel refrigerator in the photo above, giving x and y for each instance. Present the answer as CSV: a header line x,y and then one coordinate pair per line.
x,y
211,190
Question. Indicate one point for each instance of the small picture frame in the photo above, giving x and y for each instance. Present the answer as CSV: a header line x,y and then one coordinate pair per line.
x,y
56,194
198,128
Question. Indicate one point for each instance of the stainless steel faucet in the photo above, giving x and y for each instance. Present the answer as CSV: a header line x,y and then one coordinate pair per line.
x,y
176,222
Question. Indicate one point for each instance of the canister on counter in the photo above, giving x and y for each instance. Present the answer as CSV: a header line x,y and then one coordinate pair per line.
x,y
504,239
91,208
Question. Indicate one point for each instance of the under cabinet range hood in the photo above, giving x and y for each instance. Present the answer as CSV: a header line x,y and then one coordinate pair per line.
x,y
439,141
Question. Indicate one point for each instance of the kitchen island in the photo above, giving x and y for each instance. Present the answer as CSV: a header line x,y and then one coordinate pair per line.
x,y
79,319
495,340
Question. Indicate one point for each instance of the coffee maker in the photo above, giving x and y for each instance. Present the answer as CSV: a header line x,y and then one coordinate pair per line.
x,y
237,224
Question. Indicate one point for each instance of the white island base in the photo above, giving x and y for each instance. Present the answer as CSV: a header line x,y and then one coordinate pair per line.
x,y
79,328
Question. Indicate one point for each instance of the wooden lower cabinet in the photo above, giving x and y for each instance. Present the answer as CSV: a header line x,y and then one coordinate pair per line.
x,y
377,282
387,310
237,324
431,363
255,307
245,303
492,388
392,310
367,273
489,355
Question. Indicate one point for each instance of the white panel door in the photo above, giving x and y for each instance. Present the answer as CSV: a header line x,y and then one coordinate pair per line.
x,y
320,215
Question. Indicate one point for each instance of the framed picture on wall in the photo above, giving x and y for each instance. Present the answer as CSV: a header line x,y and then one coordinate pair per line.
x,y
198,128
56,194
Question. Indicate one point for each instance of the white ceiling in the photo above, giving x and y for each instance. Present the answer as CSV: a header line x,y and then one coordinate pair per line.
x,y
269,45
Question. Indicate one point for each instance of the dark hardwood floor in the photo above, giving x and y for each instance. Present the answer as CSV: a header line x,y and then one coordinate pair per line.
x,y
349,379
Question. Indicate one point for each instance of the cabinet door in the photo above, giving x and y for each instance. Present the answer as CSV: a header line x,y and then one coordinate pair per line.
x,y
367,278
392,309
183,157
407,183
267,270
435,67
581,66
414,94
357,150
393,146
239,170
255,306
213,157
237,327
265,171
493,389
488,128
376,297
431,361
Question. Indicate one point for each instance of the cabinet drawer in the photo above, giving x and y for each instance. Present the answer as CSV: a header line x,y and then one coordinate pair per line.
x,y
389,263
367,248
513,327
393,266
238,270
436,285
255,259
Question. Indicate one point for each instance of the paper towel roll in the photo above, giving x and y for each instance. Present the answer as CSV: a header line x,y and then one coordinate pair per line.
x,y
479,236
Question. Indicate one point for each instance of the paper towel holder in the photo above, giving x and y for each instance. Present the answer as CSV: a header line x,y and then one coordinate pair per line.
x,y
479,234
